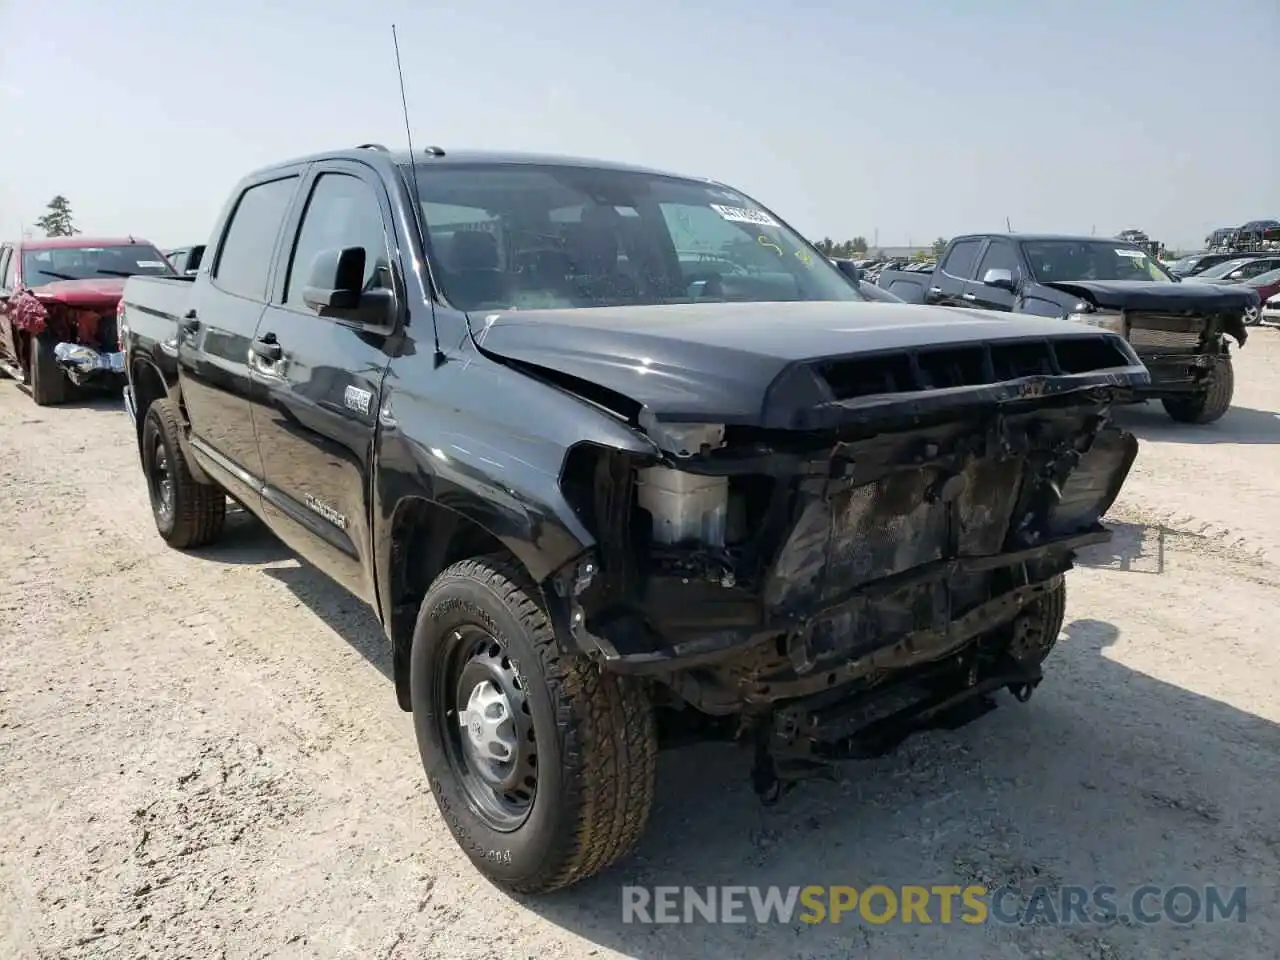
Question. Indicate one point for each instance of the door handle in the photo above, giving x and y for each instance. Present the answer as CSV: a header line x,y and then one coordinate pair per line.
x,y
267,348
968,296
935,289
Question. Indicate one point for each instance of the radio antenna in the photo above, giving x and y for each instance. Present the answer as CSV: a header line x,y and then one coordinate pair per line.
x,y
413,172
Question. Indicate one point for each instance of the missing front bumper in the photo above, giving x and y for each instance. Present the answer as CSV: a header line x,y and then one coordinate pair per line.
x,y
1180,374
84,364
720,645
805,743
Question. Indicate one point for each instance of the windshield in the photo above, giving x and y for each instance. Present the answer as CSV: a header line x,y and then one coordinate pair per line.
x,y
526,236
82,263
1184,265
1064,260
1221,270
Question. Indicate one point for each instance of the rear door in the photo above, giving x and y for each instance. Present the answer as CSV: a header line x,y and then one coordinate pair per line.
x,y
998,254
215,335
321,380
946,288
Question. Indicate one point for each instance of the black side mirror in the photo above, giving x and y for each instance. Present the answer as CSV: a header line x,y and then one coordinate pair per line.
x,y
193,260
1000,278
850,270
335,289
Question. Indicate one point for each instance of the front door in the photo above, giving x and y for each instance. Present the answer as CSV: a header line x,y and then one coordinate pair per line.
x,y
946,287
214,336
998,255
322,382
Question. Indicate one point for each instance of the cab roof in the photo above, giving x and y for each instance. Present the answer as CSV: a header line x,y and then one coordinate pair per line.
x,y
454,158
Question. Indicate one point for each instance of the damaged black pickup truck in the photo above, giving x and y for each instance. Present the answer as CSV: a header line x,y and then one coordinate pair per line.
x,y
1180,331
620,459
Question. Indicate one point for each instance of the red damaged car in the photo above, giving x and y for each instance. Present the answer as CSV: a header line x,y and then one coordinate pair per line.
x,y
58,300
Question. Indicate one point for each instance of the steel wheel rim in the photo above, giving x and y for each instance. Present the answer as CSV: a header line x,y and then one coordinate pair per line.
x,y
161,477
487,728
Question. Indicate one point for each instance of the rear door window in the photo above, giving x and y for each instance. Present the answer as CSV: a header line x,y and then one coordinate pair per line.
x,y
244,261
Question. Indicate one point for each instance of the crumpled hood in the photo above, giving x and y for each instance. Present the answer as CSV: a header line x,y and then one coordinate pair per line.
x,y
94,292
717,361
1151,295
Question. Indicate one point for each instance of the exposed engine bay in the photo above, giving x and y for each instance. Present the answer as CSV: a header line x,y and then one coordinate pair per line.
x,y
826,593
84,337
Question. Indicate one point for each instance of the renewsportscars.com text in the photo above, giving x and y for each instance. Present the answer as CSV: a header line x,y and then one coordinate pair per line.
x,y
935,904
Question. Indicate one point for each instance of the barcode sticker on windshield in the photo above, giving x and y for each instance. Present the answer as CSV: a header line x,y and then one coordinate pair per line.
x,y
743,215
150,263
1132,254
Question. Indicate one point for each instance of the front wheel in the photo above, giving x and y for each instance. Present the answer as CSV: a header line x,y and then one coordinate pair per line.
x,y
49,384
541,764
1208,405
187,513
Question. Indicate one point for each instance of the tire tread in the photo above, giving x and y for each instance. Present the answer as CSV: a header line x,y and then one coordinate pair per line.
x,y
607,731
200,510
1210,405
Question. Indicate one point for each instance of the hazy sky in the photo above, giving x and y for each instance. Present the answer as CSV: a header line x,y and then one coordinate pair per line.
x,y
913,119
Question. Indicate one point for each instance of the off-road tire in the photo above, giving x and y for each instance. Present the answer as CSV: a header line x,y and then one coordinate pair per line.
x,y
199,509
1207,405
49,384
595,733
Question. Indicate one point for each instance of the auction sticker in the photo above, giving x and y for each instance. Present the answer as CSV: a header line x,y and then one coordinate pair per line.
x,y
743,215
1132,254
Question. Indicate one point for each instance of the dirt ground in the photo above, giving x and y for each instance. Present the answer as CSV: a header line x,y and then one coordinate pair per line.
x,y
201,756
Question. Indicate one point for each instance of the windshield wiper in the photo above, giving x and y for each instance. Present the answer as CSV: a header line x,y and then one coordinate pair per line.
x,y
59,276
115,273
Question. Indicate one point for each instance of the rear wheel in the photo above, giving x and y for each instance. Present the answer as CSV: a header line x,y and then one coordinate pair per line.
x,y
49,384
187,513
541,764
1209,404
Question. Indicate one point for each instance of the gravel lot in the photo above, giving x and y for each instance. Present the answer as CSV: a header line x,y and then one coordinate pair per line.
x,y
201,756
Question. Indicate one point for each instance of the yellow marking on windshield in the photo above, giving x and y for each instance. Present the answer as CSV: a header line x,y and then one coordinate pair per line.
x,y
766,242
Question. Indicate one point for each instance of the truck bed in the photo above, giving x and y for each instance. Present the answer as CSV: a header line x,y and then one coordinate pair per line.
x,y
908,285
170,297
